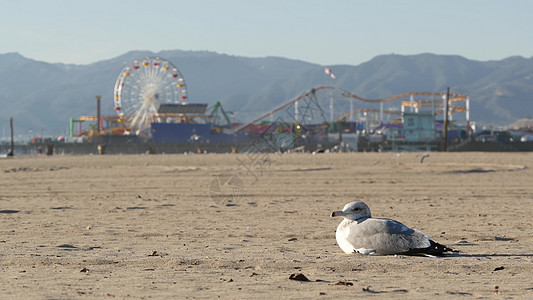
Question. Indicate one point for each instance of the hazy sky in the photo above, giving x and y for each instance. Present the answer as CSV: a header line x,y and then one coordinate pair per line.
x,y
324,32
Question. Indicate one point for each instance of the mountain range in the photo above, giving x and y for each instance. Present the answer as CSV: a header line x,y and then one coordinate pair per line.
x,y
41,96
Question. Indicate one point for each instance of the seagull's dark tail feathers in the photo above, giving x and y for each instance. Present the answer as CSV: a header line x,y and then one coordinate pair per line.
x,y
434,250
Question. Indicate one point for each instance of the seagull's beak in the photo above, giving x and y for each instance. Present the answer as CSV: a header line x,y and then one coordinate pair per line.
x,y
339,213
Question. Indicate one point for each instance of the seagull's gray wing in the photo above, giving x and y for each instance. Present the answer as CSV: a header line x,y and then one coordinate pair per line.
x,y
385,236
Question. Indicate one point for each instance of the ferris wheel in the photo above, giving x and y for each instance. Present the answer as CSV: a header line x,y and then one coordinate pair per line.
x,y
142,86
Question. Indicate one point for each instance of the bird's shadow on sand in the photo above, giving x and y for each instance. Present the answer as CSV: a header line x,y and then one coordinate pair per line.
x,y
489,256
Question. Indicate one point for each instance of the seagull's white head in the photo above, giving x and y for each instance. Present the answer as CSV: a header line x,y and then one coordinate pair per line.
x,y
353,211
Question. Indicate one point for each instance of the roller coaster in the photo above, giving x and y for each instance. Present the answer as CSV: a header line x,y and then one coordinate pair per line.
x,y
329,104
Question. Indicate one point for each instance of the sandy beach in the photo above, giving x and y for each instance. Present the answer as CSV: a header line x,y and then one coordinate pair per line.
x,y
238,225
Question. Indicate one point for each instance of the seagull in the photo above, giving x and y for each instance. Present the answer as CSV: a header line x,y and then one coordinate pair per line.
x,y
360,233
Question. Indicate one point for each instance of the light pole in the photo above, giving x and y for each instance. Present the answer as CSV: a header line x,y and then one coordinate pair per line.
x,y
98,114
12,148
447,109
